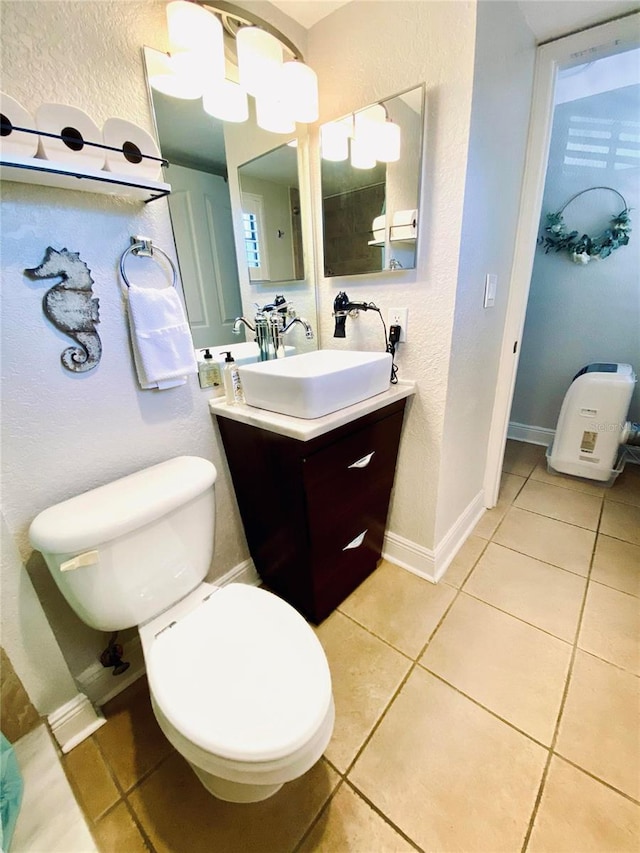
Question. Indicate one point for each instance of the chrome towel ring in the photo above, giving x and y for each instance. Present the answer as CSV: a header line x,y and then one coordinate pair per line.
x,y
144,248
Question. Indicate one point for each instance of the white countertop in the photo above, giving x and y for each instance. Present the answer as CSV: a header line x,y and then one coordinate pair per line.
x,y
302,428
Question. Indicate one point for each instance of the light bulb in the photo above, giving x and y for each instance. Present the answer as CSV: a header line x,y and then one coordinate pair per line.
x,y
388,142
362,156
334,141
274,115
197,50
226,100
192,27
259,60
367,125
178,76
300,89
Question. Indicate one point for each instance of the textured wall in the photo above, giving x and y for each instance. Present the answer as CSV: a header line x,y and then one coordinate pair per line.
x,y
363,53
503,79
64,433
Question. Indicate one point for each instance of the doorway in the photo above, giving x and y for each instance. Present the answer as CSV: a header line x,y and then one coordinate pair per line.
x,y
553,59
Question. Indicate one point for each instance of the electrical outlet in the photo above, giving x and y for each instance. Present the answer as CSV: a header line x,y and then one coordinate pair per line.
x,y
399,317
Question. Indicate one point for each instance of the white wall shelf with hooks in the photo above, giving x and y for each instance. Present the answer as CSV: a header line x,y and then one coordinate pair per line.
x,y
47,173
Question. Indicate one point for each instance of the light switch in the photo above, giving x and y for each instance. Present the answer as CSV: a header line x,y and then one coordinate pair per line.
x,y
490,285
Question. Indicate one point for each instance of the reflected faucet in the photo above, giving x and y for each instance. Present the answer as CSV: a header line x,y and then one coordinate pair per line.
x,y
270,327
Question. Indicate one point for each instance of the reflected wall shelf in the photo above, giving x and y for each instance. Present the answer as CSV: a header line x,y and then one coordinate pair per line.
x,y
392,240
47,173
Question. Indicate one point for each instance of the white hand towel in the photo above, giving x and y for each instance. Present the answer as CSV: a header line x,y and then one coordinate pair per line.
x,y
160,337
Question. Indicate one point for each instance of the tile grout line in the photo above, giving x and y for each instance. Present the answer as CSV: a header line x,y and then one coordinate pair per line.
x,y
412,668
387,707
124,794
546,562
565,694
321,812
373,633
597,778
484,707
381,814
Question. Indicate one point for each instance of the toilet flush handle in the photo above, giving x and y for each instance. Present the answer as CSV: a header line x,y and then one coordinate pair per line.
x,y
89,558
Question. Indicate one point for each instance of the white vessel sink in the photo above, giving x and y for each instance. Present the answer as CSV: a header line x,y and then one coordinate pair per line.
x,y
314,384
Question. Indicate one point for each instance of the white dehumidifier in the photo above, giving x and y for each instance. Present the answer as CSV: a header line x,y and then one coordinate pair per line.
x,y
593,422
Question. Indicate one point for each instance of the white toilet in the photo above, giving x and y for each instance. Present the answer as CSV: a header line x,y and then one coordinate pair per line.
x,y
239,682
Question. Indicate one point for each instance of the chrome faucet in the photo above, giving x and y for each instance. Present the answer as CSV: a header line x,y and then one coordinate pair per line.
x,y
270,327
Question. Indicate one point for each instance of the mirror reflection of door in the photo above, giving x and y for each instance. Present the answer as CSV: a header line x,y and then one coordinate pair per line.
x,y
203,230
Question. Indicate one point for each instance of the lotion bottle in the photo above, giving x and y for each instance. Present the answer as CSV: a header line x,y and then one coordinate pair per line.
x,y
232,384
209,371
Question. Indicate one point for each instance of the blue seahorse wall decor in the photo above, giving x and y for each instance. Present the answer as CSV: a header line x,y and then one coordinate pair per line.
x,y
71,306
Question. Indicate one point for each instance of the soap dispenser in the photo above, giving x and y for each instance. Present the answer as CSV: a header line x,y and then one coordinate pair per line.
x,y
232,384
209,371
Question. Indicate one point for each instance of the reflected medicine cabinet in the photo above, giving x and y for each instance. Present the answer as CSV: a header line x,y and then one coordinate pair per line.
x,y
370,211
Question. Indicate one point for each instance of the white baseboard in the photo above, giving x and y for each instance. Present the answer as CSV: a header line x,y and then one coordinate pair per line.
x,y
409,555
530,434
74,721
425,562
99,683
244,572
458,534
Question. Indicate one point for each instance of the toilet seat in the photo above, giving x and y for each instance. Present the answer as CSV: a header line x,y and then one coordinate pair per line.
x,y
241,676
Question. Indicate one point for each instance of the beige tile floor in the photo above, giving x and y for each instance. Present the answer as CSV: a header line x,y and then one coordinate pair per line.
x,y
496,711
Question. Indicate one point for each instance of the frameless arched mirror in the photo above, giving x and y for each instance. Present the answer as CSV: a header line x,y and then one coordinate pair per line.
x,y
370,169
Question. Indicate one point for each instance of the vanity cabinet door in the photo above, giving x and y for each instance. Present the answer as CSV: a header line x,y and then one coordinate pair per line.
x,y
348,487
315,512
348,483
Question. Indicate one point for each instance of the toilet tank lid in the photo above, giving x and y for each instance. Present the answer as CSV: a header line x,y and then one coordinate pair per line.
x,y
117,508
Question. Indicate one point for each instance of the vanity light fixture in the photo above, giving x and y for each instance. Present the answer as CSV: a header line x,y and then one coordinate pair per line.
x,y
367,137
221,53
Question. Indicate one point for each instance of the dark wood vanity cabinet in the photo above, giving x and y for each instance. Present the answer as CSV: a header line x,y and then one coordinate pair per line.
x,y
315,511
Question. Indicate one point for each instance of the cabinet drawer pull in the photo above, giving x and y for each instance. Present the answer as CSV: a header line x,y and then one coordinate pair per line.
x,y
357,542
362,463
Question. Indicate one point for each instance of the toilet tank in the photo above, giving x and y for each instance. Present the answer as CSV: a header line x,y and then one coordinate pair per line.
x,y
124,552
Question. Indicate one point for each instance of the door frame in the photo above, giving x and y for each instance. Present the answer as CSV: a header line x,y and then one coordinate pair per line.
x,y
594,43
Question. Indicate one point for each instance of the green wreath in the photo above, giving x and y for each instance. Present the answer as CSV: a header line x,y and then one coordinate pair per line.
x,y
584,248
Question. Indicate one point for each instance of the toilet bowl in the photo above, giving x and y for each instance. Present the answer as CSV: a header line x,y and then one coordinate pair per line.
x,y
240,686
238,680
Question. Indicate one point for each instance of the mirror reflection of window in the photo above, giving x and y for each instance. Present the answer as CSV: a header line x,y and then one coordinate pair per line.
x,y
370,170
254,231
270,190
252,245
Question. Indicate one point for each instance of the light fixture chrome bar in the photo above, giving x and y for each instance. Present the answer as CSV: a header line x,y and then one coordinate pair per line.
x,y
229,11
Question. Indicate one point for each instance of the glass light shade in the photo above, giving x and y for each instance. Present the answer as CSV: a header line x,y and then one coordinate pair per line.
x,y
226,100
362,156
178,76
259,60
375,113
334,141
192,27
388,142
274,115
300,88
367,126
